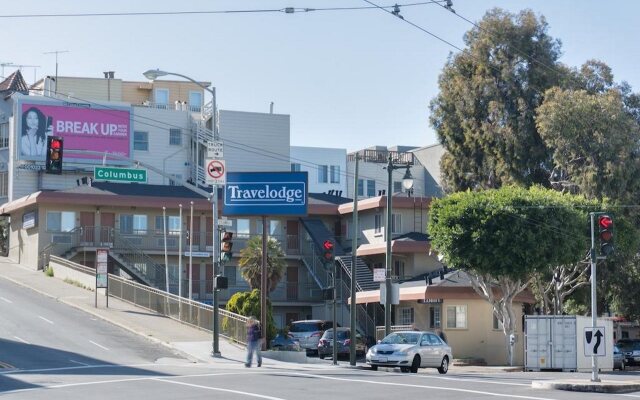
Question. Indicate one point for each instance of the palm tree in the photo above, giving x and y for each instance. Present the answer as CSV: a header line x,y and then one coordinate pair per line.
x,y
251,263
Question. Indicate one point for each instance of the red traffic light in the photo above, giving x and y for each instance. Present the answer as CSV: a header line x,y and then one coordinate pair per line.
x,y
327,245
605,222
56,144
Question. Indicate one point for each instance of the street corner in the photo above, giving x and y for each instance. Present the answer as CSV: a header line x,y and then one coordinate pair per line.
x,y
577,385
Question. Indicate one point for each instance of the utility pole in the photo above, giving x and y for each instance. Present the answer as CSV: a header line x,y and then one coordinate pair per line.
x,y
354,258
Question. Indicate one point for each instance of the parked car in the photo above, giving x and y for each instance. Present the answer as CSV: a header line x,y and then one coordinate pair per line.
x,y
631,350
343,346
411,350
309,332
618,359
285,342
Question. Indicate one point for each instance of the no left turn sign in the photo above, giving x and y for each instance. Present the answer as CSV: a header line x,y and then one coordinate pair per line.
x,y
216,172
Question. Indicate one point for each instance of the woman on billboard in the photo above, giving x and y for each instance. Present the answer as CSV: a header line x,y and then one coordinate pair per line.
x,y
35,128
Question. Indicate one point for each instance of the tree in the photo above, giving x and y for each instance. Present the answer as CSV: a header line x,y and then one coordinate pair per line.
x,y
248,304
251,263
484,115
502,237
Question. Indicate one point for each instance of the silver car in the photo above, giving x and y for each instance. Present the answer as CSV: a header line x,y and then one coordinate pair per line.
x,y
410,350
309,332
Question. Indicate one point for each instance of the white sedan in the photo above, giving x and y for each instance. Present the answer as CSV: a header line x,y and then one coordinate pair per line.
x,y
410,350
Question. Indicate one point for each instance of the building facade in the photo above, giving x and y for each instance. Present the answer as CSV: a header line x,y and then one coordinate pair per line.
x,y
326,167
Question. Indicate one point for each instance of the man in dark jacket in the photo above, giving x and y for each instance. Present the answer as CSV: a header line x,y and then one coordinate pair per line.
x,y
254,341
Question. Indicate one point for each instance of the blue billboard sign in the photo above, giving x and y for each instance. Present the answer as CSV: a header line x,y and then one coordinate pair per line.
x,y
266,193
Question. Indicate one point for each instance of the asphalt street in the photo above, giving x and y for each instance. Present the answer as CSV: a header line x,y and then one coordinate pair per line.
x,y
53,351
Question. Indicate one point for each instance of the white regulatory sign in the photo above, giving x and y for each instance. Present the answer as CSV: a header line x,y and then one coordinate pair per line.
x,y
216,172
594,342
379,274
215,149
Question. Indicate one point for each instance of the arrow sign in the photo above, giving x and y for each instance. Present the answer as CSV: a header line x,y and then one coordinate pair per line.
x,y
594,337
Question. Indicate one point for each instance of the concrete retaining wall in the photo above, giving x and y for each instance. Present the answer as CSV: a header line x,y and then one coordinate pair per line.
x,y
86,277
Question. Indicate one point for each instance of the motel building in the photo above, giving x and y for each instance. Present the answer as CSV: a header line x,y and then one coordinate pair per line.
x,y
132,181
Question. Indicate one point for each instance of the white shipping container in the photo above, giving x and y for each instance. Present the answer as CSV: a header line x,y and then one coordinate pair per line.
x,y
558,342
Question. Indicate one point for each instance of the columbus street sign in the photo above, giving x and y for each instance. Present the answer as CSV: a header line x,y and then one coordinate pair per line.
x,y
120,174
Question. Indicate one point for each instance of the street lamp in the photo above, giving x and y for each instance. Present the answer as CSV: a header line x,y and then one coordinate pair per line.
x,y
152,74
407,183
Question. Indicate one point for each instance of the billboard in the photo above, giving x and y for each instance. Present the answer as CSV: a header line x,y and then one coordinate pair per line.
x,y
94,127
266,193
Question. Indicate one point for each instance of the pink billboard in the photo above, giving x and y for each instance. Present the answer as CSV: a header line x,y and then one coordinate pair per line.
x,y
83,127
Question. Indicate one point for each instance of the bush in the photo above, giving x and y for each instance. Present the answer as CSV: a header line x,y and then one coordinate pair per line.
x,y
49,271
248,304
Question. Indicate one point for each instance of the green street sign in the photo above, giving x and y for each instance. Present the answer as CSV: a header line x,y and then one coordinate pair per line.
x,y
120,174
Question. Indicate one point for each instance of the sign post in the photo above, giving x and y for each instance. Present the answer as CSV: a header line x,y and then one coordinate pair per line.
x,y
102,275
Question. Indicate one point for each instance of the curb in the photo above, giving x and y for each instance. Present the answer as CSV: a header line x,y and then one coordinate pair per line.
x,y
587,386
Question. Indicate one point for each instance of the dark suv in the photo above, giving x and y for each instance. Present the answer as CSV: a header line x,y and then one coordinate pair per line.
x,y
309,332
630,348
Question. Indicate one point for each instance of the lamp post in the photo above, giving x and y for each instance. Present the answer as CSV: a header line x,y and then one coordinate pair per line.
x,y
407,183
152,74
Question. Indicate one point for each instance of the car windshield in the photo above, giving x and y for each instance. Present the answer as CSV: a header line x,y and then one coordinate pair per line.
x,y
341,334
305,327
401,338
628,346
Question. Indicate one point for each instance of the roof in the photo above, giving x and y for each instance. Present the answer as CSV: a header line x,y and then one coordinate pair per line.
x,y
328,199
413,236
134,189
14,83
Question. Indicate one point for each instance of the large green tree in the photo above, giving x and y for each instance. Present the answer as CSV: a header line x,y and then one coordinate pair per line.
x,y
251,263
484,114
503,237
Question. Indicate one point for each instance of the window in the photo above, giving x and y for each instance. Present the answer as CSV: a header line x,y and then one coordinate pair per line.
x,y
360,187
371,187
335,174
322,173
195,101
434,317
4,184
177,181
4,135
162,96
274,227
295,167
243,228
396,223
133,224
173,225
406,316
397,187
141,141
61,221
457,317
398,269
377,223
175,137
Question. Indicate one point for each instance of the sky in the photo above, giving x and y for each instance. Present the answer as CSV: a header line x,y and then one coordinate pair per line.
x,y
348,78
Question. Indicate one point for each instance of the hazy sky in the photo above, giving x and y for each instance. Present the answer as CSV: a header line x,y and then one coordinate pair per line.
x,y
349,79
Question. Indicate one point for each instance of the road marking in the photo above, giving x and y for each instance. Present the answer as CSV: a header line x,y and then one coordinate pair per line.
x,y
44,319
22,340
481,392
476,380
261,396
629,395
7,300
78,362
99,345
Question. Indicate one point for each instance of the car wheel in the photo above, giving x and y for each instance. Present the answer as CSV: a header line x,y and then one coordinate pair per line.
x,y
374,367
415,364
404,369
444,366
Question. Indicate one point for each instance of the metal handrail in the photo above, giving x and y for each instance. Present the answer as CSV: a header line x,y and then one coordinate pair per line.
x,y
136,259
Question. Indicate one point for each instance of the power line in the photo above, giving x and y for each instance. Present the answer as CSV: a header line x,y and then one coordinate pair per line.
x,y
286,10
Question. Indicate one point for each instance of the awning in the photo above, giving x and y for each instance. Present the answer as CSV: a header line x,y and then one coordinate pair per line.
x,y
406,294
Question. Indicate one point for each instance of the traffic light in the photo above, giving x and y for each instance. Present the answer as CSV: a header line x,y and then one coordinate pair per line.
x,y
327,251
54,155
221,282
226,246
605,234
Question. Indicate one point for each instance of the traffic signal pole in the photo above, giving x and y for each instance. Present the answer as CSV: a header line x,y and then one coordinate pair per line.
x,y
594,305
216,258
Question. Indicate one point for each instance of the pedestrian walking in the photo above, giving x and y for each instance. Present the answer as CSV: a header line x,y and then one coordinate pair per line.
x,y
254,342
440,333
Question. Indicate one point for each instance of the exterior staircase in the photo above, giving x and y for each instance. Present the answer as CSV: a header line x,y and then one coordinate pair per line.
x,y
364,275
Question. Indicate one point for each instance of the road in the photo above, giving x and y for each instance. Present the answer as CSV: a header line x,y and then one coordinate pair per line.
x,y
58,352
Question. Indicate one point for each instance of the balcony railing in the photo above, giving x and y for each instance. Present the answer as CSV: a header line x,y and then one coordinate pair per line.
x,y
382,156
174,106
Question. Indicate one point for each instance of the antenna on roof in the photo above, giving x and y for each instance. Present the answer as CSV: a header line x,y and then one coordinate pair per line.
x,y
56,52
